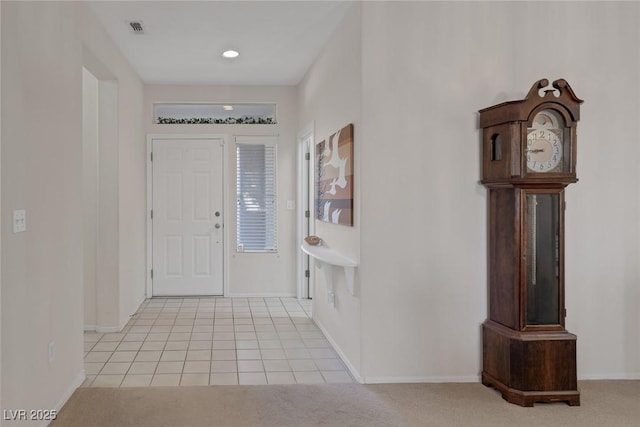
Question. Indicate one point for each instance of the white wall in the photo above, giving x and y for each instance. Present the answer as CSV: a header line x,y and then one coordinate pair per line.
x,y
90,193
0,215
122,190
602,63
42,172
108,311
427,69
417,80
330,96
249,274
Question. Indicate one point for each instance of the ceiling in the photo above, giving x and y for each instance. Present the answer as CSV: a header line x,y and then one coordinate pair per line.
x,y
183,40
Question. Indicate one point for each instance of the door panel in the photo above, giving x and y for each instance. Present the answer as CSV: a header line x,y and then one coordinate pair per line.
x,y
187,189
173,256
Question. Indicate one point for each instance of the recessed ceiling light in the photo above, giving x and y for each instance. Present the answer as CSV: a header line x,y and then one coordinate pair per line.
x,y
227,107
230,53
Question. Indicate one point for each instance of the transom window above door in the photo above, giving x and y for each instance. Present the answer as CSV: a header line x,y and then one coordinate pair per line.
x,y
215,113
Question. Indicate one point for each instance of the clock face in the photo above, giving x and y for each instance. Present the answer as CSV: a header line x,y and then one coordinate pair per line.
x,y
544,151
544,143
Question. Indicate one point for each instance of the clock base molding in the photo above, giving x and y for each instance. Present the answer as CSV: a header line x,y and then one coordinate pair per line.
x,y
530,367
528,398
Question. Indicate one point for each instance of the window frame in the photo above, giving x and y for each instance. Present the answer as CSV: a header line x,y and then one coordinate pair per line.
x,y
271,217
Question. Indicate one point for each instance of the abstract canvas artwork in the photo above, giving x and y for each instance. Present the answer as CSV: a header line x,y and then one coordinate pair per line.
x,y
334,178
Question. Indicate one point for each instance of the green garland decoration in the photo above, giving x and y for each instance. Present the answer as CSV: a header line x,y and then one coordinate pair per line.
x,y
212,121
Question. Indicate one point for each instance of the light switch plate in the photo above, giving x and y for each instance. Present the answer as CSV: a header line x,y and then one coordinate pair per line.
x,y
291,205
19,221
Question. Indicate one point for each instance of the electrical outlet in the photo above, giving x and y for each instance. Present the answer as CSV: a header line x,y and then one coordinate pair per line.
x,y
52,352
19,221
331,298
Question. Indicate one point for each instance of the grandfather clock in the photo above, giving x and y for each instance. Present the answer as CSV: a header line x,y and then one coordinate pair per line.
x,y
528,158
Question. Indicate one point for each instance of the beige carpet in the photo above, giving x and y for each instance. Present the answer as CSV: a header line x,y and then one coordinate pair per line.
x,y
604,404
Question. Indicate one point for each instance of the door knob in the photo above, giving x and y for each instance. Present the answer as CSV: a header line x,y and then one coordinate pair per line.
x,y
217,225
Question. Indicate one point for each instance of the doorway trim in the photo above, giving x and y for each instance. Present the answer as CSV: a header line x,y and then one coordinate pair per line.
x,y
304,226
102,278
225,208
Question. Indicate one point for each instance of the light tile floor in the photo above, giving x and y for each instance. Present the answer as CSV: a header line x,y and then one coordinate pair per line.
x,y
214,341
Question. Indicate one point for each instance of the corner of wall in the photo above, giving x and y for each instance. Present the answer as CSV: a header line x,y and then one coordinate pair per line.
x,y
330,97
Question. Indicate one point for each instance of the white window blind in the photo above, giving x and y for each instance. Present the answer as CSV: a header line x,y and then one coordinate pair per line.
x,y
256,195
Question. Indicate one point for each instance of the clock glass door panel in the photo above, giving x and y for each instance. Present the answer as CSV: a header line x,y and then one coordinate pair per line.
x,y
542,259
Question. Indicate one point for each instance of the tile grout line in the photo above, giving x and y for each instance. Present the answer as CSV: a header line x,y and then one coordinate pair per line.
x,y
285,317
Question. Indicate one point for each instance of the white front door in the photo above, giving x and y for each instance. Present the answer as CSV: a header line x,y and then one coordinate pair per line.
x,y
187,217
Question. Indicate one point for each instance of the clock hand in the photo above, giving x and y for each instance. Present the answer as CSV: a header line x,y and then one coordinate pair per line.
x,y
537,150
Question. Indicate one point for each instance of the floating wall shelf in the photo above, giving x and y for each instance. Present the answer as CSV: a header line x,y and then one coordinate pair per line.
x,y
328,258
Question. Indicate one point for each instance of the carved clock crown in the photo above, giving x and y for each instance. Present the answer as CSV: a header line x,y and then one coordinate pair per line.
x,y
506,156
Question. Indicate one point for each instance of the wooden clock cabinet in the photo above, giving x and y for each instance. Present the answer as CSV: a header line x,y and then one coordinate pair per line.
x,y
528,159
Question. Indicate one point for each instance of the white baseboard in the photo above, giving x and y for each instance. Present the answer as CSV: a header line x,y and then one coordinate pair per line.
x,y
111,329
618,376
77,382
144,298
400,380
101,329
478,378
107,329
354,372
260,295
232,295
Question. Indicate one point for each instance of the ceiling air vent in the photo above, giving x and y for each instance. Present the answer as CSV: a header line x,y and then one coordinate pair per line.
x,y
136,27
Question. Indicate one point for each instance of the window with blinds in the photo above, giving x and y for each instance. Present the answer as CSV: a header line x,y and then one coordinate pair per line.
x,y
256,197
